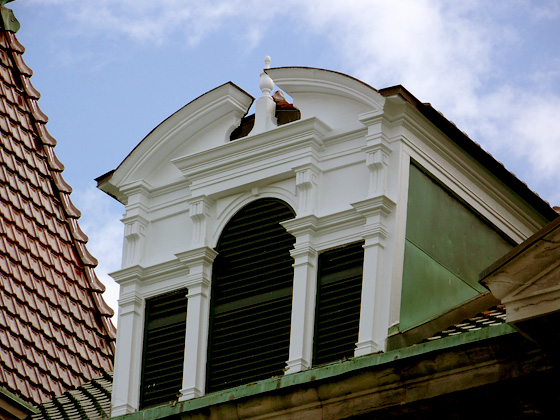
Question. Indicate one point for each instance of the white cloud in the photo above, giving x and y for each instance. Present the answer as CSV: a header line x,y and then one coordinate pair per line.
x,y
455,55
451,55
160,21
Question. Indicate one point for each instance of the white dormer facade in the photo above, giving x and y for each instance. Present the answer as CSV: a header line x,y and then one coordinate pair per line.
x,y
343,169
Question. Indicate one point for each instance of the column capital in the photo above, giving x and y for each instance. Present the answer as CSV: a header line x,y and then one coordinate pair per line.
x,y
304,254
380,205
197,256
302,225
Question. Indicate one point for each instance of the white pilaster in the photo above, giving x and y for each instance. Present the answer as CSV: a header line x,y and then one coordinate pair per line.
x,y
199,262
374,314
136,221
128,357
377,151
305,289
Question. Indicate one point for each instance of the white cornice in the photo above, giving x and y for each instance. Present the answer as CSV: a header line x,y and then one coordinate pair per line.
x,y
302,81
159,272
225,101
466,167
381,205
196,256
289,144
323,225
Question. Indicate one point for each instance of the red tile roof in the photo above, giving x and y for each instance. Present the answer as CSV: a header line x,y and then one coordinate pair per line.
x,y
55,328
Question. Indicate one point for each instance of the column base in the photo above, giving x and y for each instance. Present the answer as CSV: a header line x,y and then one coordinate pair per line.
x,y
190,393
122,409
297,365
367,347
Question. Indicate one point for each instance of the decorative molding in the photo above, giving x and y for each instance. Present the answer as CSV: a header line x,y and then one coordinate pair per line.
x,y
379,206
265,107
307,181
367,347
304,254
199,211
374,235
134,233
159,272
456,169
310,83
377,161
224,105
297,365
254,159
141,187
132,302
197,256
346,225
299,226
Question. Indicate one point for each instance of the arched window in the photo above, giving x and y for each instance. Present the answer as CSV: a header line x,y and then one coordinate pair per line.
x,y
250,309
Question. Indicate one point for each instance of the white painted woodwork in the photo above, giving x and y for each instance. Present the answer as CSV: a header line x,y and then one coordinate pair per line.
x,y
343,168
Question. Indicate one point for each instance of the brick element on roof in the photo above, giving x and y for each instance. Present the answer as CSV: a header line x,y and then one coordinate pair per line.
x,y
91,401
55,328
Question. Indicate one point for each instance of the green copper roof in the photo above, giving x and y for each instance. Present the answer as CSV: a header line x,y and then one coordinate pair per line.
x,y
325,372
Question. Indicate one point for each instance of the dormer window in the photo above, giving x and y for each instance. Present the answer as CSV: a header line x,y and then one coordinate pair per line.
x,y
301,245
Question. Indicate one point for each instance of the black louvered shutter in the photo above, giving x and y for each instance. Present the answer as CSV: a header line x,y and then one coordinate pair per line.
x,y
251,297
338,303
164,348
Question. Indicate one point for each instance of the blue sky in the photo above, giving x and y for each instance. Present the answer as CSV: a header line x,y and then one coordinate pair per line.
x,y
109,71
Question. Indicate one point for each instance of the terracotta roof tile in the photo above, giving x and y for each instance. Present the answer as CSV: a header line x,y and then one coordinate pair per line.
x,y
91,401
54,328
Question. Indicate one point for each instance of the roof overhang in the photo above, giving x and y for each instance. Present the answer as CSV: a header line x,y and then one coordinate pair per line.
x,y
223,102
527,281
473,149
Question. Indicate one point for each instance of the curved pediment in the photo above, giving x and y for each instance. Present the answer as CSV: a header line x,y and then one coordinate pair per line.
x,y
335,98
202,124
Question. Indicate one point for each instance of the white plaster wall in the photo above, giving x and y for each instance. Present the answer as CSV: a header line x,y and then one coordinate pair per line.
x,y
340,187
167,237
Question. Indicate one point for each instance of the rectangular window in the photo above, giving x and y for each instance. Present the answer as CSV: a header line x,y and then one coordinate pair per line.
x,y
339,294
164,348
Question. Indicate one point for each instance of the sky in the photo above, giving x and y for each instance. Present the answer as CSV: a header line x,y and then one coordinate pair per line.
x,y
110,71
